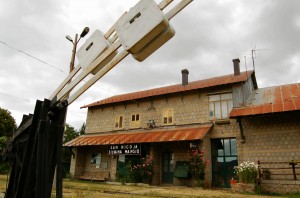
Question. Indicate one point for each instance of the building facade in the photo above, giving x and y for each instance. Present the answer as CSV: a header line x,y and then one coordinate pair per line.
x,y
214,115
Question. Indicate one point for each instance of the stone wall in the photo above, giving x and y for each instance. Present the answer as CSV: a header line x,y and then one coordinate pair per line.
x,y
271,138
77,166
280,186
188,108
81,163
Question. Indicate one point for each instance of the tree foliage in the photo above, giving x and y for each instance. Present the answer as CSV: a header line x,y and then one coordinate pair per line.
x,y
70,133
7,127
82,129
7,123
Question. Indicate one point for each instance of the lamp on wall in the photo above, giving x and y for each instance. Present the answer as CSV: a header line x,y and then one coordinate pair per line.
x,y
193,145
151,123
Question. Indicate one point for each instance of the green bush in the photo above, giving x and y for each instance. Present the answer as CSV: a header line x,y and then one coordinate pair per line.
x,y
4,168
141,170
247,172
197,167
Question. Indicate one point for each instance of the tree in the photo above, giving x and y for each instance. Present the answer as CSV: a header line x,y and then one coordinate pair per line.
x,y
7,123
82,129
69,134
7,127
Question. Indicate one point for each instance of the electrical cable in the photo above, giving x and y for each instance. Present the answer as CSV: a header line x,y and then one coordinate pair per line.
x,y
27,54
44,62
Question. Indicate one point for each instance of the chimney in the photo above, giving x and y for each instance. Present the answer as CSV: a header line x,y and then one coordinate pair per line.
x,y
236,66
185,77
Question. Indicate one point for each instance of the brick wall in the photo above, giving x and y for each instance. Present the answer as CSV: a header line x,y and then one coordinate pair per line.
x,y
271,138
81,163
280,187
187,108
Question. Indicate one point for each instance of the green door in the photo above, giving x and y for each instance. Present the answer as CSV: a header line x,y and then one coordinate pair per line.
x,y
224,159
168,167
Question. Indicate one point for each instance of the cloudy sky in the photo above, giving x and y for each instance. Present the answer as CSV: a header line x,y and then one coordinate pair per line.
x,y
35,55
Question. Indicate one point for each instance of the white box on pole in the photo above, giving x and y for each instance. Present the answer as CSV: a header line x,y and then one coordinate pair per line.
x,y
94,46
140,25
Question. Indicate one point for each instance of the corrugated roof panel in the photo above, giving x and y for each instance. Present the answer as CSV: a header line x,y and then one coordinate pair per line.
x,y
271,100
297,103
222,80
267,108
142,137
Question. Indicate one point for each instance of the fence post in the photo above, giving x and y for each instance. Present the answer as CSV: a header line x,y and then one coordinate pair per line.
x,y
294,170
259,170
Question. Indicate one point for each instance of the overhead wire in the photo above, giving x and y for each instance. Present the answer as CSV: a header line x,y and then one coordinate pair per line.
x,y
5,94
27,54
44,62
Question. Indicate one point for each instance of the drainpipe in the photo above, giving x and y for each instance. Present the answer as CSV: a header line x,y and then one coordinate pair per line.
x,y
239,120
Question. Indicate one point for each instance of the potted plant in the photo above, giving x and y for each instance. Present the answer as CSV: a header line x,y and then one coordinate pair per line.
x,y
266,174
247,173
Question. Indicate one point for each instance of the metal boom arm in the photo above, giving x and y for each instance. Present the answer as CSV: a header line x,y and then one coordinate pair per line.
x,y
36,147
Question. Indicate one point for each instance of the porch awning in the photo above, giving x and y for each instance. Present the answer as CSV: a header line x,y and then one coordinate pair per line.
x,y
170,135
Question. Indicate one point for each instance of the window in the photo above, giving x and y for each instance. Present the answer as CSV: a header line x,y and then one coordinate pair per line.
x,y
119,122
135,121
220,105
168,116
96,159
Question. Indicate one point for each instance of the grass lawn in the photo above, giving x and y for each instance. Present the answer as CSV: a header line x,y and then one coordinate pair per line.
x,y
81,189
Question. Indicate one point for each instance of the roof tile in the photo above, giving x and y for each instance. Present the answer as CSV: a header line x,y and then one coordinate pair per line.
x,y
222,80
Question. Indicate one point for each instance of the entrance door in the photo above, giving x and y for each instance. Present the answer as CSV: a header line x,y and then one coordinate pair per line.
x,y
167,167
224,159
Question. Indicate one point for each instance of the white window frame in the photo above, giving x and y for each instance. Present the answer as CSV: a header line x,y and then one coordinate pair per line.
x,y
220,105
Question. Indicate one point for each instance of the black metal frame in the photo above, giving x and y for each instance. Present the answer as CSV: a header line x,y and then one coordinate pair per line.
x,y
35,151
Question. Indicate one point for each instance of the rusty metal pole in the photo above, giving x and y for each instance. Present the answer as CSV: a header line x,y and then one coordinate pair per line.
x,y
73,54
57,180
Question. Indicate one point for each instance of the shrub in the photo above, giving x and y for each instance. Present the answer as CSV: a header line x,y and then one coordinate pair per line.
x,y
197,167
247,172
142,171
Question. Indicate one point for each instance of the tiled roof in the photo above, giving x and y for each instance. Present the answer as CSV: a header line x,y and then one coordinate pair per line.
x,y
182,134
270,100
200,84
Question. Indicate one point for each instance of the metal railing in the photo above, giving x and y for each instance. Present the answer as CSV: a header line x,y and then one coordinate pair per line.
x,y
281,170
